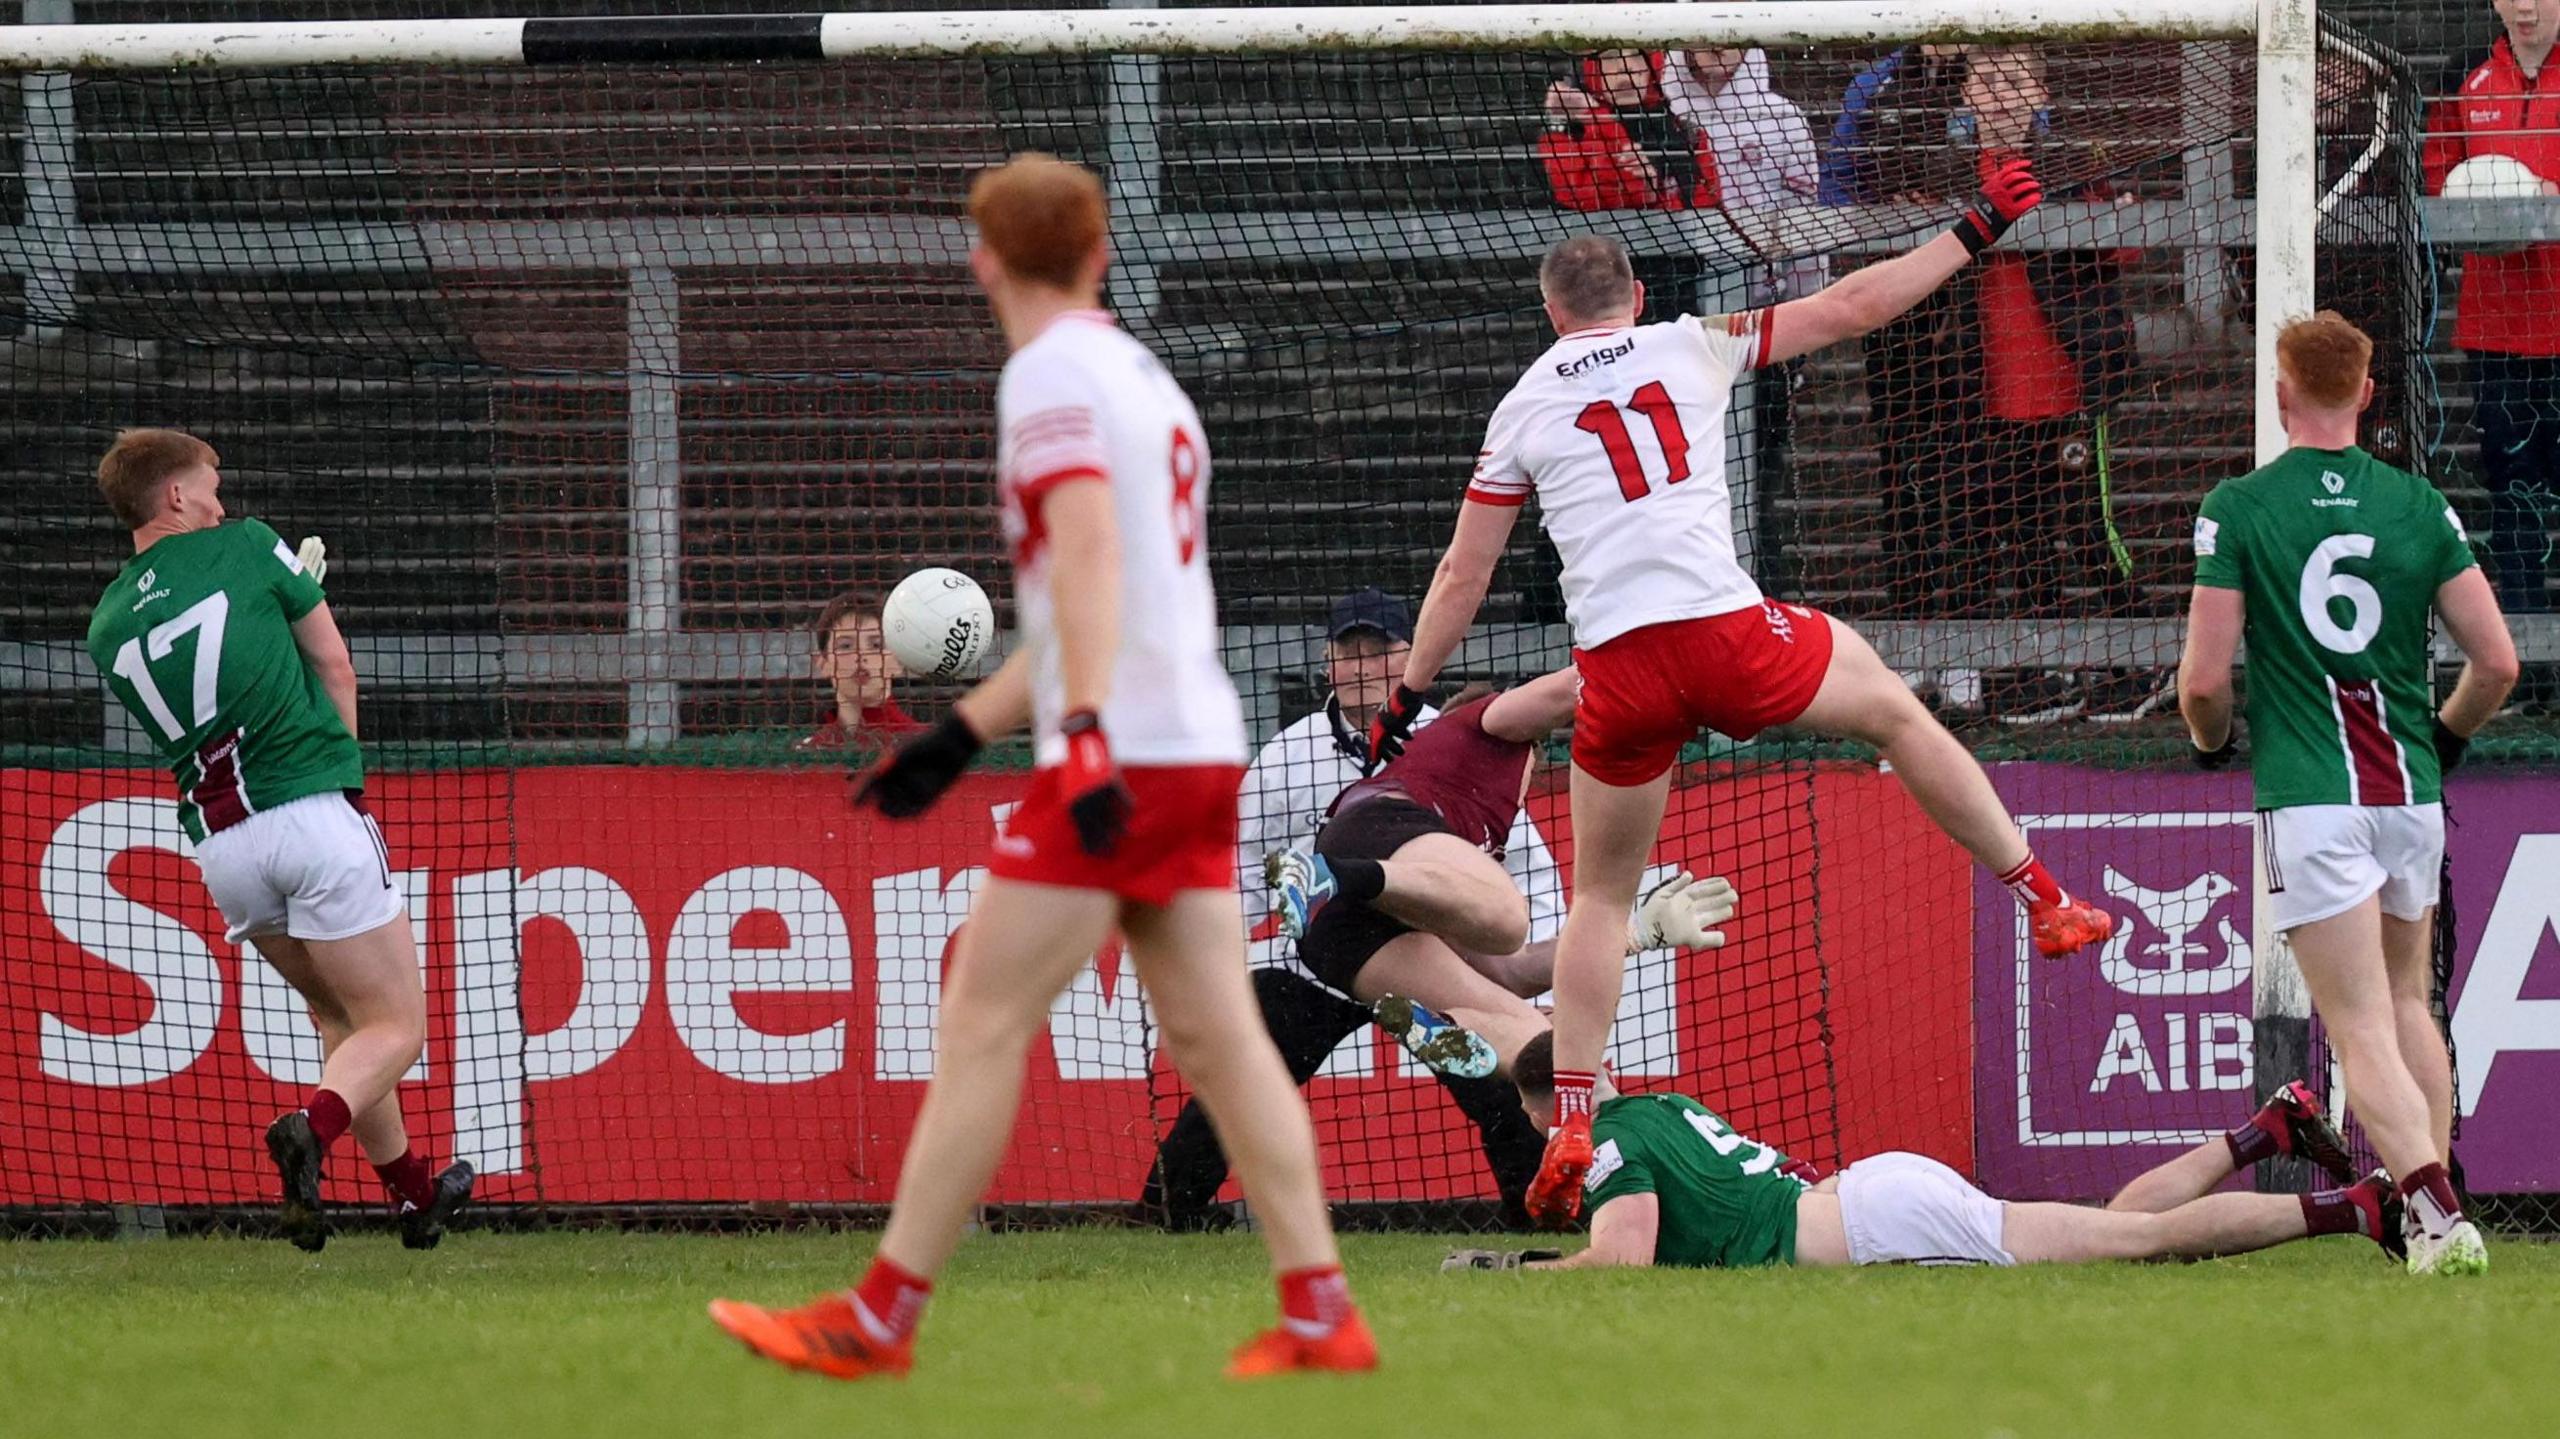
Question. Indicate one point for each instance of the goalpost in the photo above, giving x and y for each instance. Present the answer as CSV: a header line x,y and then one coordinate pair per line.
x,y
607,350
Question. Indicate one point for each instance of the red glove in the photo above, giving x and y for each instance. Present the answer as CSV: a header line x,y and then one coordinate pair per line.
x,y
1393,725
2009,189
1097,800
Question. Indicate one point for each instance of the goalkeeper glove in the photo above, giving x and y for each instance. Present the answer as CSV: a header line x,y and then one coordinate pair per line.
x,y
1393,725
908,782
314,557
1464,1259
2215,759
1680,913
2450,746
2009,189
1097,799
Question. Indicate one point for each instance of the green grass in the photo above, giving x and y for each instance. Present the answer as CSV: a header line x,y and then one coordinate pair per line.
x,y
1059,1335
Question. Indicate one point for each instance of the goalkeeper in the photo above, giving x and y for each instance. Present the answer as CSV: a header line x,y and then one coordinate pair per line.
x,y
1671,1183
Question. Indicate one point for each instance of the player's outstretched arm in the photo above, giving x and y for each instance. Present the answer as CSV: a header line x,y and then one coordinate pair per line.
x,y
1531,712
2215,618
325,651
1001,703
2471,616
1457,589
1867,299
1622,1235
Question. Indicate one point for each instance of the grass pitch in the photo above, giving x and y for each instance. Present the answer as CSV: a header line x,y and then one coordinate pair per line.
x,y
1122,1335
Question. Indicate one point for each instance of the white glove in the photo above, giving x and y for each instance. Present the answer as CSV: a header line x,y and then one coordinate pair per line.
x,y
314,556
1681,913
1461,1260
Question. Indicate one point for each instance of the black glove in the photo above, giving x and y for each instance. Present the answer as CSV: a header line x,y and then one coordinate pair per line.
x,y
1393,725
2450,747
1496,1258
908,782
2221,758
1097,799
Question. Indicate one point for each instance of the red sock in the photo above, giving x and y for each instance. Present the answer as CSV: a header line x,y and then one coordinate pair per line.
x,y
1314,1302
2033,884
328,1115
2343,1211
409,1179
1573,1095
2428,1191
890,1300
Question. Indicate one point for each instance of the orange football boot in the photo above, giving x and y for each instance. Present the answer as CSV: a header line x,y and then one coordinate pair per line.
x,y
2062,929
823,1336
1349,1349
1555,1196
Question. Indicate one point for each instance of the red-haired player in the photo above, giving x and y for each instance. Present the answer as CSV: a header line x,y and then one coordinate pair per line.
x,y
1619,430
1130,823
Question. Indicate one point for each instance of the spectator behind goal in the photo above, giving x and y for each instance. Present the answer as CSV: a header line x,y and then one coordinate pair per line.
x,y
853,659
1613,143
2507,319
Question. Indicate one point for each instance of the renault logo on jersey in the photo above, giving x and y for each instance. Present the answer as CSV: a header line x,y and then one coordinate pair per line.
x,y
149,577
2332,481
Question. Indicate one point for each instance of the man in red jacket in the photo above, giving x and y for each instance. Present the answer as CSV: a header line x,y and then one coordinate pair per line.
x,y
2508,319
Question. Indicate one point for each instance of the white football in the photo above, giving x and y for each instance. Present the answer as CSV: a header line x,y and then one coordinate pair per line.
x,y
2492,177
937,623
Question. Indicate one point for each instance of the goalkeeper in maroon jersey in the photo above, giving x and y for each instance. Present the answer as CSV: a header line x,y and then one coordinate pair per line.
x,y
1672,1184
1618,429
2334,564
218,639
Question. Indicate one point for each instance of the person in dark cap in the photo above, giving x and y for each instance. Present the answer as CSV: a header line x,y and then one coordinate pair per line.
x,y
1285,796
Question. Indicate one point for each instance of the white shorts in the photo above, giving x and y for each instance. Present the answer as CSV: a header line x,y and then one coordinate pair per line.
x,y
1903,1208
313,868
2321,860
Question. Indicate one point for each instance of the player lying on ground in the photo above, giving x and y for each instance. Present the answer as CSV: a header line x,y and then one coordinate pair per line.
x,y
1671,1183
1618,429
2333,563
1404,904
218,640
1103,474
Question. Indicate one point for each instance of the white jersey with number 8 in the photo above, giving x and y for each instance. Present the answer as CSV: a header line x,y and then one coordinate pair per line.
x,y
1085,400
1619,431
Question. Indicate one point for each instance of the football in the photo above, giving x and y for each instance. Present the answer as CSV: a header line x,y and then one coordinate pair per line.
x,y
2492,177
937,623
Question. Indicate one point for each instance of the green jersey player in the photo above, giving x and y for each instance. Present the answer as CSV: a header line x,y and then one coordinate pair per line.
x,y
2333,565
217,639
1672,1184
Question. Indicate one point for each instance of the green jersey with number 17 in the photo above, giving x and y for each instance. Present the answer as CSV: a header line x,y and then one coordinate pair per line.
x,y
1724,1203
2339,557
195,636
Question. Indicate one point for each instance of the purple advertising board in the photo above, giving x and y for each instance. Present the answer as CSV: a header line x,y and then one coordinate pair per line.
x,y
2091,1068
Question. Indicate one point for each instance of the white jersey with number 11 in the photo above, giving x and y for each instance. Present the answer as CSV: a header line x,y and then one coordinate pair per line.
x,y
1081,401
1619,432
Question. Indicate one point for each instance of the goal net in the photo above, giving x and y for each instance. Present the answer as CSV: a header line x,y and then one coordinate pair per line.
x,y
621,389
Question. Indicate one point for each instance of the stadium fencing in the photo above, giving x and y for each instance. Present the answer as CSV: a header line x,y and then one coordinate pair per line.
x,y
604,352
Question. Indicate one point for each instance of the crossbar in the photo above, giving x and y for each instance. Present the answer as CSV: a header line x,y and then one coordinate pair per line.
x,y
690,39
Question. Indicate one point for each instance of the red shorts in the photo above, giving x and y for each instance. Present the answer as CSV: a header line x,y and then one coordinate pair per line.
x,y
1182,835
1649,691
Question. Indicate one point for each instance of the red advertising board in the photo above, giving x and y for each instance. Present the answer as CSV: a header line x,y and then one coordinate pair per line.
x,y
673,985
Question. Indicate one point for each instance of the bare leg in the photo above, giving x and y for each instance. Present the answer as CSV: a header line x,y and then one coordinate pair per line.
x,y
2408,955
1613,834
1190,955
1862,700
372,1013
1423,967
2214,1224
2343,965
378,1129
2182,1180
1442,885
1023,943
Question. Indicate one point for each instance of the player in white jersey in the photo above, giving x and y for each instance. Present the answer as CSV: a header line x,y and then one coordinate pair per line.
x,y
1104,477
1618,430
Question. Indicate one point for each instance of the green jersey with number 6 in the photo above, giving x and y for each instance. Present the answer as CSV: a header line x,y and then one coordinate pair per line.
x,y
196,637
2339,557
1724,1203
